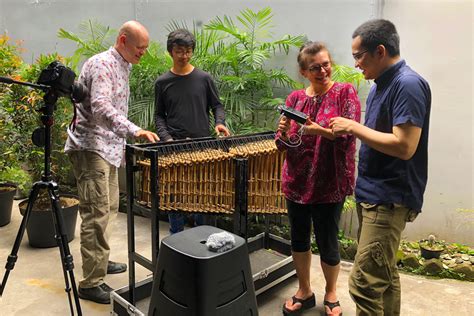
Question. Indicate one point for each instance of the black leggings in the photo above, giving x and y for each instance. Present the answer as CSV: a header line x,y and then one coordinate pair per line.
x,y
325,218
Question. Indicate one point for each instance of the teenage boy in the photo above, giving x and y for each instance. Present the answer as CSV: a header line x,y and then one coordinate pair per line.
x,y
184,97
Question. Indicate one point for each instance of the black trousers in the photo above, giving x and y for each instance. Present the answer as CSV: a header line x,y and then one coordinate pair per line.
x,y
325,219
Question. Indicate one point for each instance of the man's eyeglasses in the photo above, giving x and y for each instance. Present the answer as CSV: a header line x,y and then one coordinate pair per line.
x,y
181,53
359,55
318,67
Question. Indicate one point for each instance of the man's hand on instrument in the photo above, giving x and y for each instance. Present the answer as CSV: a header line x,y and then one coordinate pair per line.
x,y
147,135
221,129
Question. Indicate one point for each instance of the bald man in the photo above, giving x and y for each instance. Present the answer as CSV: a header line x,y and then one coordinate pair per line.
x,y
95,146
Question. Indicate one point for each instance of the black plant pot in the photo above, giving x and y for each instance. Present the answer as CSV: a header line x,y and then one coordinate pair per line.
x,y
40,228
430,253
7,192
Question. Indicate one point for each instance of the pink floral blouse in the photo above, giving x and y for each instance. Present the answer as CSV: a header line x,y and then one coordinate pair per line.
x,y
321,170
101,124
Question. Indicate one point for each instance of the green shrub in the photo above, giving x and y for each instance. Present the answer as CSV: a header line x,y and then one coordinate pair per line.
x,y
235,53
19,117
18,176
238,62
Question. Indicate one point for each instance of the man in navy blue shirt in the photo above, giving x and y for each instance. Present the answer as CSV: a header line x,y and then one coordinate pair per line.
x,y
393,163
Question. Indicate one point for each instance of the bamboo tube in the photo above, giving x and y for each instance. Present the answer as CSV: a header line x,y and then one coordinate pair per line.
x,y
203,180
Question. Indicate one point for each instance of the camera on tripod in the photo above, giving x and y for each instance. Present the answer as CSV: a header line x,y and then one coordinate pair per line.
x,y
56,81
61,79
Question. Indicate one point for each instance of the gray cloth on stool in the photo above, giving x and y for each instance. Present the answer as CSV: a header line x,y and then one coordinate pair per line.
x,y
220,242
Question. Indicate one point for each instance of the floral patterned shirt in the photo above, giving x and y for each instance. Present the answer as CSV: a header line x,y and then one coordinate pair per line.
x,y
321,170
101,123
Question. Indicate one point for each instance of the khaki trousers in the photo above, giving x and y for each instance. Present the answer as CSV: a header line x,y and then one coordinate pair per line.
x,y
374,283
97,185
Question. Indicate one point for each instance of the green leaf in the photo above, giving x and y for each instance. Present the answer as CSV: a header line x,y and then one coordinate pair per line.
x,y
342,73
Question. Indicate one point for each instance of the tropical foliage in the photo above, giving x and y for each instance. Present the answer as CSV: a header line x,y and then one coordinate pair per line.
x,y
92,39
236,51
142,81
236,54
17,175
20,116
343,73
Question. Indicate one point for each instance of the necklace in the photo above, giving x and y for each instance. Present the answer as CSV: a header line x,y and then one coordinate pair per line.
x,y
319,97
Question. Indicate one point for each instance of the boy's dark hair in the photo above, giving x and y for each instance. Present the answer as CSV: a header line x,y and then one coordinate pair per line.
x,y
379,32
180,37
310,49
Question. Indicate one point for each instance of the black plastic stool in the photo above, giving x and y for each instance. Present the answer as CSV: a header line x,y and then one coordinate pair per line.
x,y
190,280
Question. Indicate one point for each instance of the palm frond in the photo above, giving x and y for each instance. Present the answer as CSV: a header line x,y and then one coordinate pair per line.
x,y
288,41
62,33
254,59
343,73
227,26
281,78
93,38
256,23
141,112
207,41
174,25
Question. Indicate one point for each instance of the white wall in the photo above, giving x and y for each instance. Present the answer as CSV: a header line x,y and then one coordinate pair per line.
x,y
37,22
437,41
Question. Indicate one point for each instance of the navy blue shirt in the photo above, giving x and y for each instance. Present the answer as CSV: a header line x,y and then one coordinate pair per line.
x,y
399,96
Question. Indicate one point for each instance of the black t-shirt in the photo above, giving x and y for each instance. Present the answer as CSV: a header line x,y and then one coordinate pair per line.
x,y
182,105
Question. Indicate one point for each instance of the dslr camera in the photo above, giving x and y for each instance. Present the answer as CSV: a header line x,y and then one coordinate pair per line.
x,y
61,79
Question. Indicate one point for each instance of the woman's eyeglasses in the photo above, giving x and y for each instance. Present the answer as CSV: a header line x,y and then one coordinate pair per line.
x,y
318,67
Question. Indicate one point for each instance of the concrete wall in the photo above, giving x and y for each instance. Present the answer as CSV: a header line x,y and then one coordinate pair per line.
x,y
436,40
37,22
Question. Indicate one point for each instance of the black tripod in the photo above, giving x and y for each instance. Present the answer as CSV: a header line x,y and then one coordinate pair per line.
x,y
52,188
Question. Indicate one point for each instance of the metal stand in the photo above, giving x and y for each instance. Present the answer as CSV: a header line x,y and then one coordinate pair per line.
x,y
268,268
52,188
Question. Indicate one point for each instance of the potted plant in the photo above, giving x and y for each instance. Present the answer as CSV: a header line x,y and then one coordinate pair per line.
x,y
40,228
431,248
18,176
7,191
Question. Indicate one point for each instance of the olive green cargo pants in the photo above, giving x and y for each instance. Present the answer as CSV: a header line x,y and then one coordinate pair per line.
x,y
97,185
374,283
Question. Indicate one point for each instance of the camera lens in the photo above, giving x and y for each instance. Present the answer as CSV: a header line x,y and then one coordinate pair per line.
x,y
79,92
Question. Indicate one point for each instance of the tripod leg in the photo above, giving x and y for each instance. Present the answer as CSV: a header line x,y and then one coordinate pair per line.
x,y
21,231
63,245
